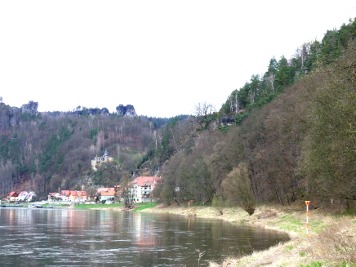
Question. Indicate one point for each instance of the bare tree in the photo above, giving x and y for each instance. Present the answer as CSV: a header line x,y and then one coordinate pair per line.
x,y
204,109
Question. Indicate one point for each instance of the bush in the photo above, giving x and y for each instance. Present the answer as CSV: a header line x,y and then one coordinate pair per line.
x,y
237,188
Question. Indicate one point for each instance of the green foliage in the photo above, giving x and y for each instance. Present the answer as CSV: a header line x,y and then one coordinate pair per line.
x,y
237,188
93,134
240,117
208,119
328,153
10,148
147,157
225,108
282,73
22,169
108,174
49,155
42,125
166,148
313,264
171,136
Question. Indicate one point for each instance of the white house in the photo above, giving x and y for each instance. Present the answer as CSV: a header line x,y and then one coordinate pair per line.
x,y
106,193
141,188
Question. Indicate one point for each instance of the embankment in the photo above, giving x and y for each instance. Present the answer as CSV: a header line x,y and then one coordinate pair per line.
x,y
331,240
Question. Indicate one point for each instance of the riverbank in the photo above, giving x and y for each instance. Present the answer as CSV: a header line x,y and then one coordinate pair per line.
x,y
331,240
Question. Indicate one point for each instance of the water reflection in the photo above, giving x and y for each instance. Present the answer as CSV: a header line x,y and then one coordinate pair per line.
x,y
69,237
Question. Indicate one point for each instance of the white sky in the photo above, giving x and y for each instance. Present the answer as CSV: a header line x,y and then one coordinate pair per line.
x,y
164,57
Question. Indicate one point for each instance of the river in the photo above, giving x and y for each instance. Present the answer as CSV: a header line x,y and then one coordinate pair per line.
x,y
72,237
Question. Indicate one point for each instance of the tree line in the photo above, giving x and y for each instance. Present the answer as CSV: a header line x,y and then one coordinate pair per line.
x,y
292,137
296,140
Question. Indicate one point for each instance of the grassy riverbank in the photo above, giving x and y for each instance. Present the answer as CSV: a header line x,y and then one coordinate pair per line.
x,y
331,240
118,206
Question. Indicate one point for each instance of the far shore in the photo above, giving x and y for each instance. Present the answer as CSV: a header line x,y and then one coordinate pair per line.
x,y
331,239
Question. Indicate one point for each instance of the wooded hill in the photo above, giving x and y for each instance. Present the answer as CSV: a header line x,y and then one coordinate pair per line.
x,y
287,135
284,136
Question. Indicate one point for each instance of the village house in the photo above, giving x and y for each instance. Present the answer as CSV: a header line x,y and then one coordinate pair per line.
x,y
68,195
141,188
75,195
25,196
12,196
107,194
97,161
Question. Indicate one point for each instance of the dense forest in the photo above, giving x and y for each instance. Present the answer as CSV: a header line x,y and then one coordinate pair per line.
x,y
284,136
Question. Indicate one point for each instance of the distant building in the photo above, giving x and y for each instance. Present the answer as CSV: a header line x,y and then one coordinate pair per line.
x,y
97,161
105,194
141,188
12,196
68,195
75,195
25,196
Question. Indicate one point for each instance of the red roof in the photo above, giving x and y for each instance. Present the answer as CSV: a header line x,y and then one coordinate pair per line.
x,y
106,191
73,193
65,193
13,194
145,180
76,193
82,193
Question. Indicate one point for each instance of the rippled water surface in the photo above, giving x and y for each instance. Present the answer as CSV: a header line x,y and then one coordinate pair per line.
x,y
70,237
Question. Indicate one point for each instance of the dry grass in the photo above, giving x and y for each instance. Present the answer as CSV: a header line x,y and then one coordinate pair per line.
x,y
331,241
287,254
336,244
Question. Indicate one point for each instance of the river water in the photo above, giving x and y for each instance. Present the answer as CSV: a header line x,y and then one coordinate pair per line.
x,y
71,237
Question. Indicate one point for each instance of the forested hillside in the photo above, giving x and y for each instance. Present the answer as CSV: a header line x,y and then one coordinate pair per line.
x,y
43,152
284,136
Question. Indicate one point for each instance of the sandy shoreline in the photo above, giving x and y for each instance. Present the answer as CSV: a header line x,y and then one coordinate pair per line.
x,y
301,250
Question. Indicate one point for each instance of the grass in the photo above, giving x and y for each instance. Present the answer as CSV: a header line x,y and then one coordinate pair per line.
x,y
296,222
55,205
289,247
137,206
290,223
142,206
313,264
99,206
331,242
336,245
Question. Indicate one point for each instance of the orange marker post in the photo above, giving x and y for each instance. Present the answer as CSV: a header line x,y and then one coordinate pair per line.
x,y
307,202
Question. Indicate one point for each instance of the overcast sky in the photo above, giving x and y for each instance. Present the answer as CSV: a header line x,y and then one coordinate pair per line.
x,y
164,57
